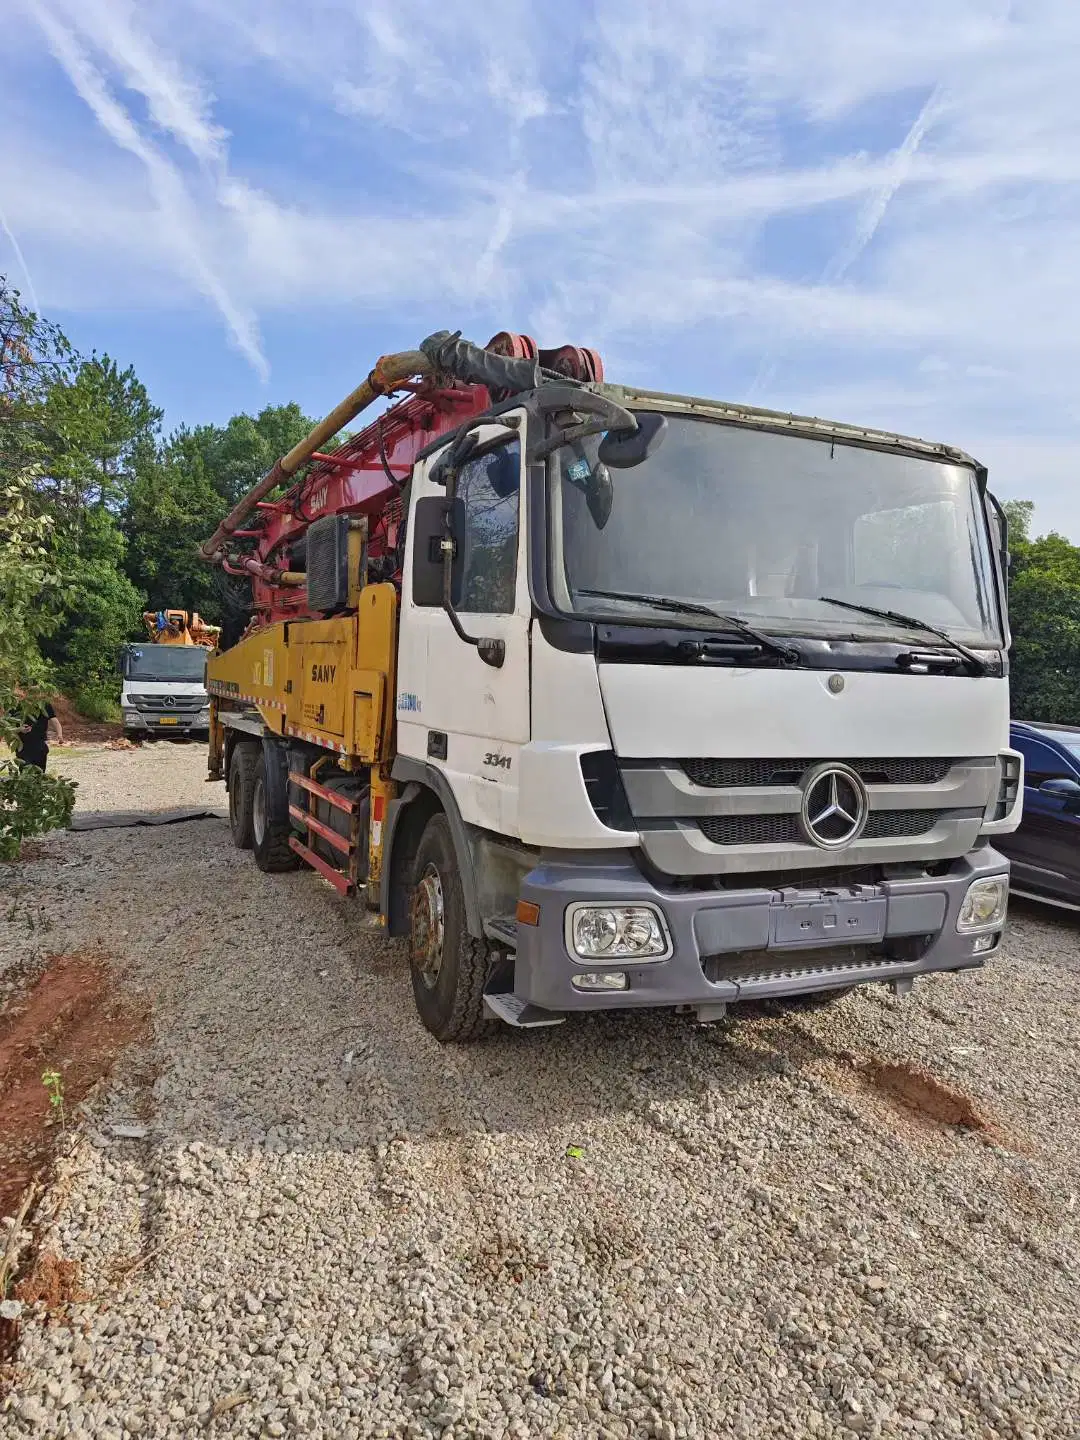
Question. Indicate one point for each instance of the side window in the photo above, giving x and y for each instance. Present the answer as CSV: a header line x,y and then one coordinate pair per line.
x,y
486,573
1040,763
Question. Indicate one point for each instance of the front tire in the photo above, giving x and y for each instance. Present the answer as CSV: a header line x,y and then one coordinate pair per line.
x,y
270,832
241,785
449,967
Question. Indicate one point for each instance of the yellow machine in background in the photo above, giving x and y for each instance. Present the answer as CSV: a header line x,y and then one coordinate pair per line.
x,y
173,627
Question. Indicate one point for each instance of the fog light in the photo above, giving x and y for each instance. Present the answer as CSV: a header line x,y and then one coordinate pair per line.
x,y
984,904
983,943
601,980
617,932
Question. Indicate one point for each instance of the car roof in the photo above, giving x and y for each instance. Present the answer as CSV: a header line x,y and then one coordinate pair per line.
x,y
1061,733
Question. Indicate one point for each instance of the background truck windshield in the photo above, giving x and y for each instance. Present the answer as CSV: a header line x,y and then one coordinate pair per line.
x,y
166,662
761,526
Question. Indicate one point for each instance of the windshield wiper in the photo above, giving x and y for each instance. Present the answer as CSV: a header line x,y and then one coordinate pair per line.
x,y
692,607
912,622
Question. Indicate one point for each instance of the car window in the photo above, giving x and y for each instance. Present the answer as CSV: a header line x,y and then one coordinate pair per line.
x,y
1041,762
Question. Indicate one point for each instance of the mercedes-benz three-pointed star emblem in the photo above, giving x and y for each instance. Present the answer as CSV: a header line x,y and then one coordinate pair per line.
x,y
834,807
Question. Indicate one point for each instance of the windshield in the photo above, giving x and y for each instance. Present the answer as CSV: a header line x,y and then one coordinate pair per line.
x,y
166,662
761,527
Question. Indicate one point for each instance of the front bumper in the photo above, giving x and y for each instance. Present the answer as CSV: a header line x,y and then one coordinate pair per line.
x,y
731,945
152,723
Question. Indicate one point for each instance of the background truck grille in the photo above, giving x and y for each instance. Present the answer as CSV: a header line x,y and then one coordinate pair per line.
x,y
172,705
786,830
732,774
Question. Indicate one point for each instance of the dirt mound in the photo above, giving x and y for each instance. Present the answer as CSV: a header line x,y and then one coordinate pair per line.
x,y
71,1020
926,1095
79,729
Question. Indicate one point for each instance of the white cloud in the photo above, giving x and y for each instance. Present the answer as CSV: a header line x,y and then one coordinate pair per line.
x,y
166,184
875,203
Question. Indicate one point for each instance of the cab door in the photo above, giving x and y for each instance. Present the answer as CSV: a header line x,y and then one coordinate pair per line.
x,y
455,711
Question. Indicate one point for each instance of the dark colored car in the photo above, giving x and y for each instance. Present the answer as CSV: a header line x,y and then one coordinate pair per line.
x,y
1045,850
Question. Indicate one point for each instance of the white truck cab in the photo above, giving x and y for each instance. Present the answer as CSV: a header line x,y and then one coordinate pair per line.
x,y
730,722
164,690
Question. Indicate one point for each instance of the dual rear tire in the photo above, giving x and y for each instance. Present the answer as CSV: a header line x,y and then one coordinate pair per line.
x,y
259,807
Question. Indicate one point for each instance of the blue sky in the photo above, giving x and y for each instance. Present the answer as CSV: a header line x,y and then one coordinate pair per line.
x,y
869,212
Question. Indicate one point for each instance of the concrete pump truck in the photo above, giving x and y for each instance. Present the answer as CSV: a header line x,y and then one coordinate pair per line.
x,y
609,698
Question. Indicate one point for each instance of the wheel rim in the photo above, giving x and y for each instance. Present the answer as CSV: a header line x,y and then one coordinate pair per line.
x,y
428,927
258,810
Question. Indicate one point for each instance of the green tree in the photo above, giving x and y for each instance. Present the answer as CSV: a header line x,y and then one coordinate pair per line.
x,y
1044,614
101,425
102,610
178,498
34,356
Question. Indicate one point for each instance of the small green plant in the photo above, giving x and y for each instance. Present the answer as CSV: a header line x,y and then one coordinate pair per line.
x,y
54,1084
31,803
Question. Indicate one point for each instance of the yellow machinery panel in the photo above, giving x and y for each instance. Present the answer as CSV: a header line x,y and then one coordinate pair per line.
x,y
376,647
368,726
253,672
320,661
327,681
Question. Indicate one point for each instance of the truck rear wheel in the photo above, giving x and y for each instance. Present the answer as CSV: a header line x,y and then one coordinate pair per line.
x,y
270,827
241,785
449,967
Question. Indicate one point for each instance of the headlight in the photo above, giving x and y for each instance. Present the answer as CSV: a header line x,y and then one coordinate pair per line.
x,y
617,932
984,904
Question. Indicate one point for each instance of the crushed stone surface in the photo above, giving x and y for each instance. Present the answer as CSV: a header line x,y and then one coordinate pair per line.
x,y
314,1220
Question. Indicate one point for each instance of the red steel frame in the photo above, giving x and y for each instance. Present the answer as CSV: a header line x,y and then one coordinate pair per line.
x,y
354,481
364,475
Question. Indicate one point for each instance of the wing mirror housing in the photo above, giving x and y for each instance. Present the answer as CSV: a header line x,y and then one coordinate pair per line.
x,y
1064,789
623,449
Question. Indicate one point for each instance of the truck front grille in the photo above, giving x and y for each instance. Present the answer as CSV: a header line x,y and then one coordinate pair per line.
x,y
786,830
171,705
735,774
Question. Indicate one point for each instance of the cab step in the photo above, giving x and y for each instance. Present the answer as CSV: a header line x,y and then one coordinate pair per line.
x,y
503,930
519,1013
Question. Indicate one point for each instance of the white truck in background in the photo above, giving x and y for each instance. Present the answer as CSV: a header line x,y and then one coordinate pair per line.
x,y
164,690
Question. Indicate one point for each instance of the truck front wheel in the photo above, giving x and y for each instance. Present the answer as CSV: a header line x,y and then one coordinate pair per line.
x,y
449,966
241,784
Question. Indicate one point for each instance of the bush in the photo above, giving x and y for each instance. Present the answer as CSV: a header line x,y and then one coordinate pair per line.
x,y
98,702
31,803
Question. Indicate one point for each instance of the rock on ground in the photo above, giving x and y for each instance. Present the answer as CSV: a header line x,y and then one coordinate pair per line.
x,y
335,1227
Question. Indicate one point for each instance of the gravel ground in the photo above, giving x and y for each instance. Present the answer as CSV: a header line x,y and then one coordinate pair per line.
x,y
156,775
624,1227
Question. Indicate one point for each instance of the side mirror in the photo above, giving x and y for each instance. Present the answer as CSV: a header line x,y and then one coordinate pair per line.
x,y
623,449
122,662
1064,789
